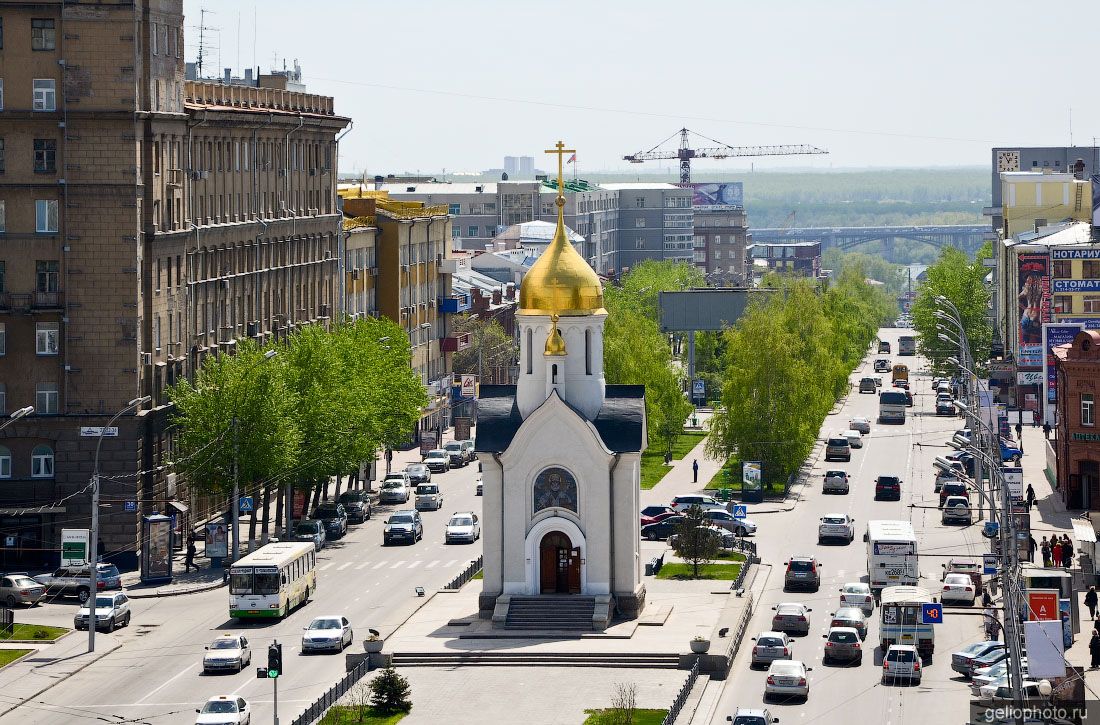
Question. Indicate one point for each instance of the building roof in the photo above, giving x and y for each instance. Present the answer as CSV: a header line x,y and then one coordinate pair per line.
x,y
620,422
463,187
627,185
1056,235
536,232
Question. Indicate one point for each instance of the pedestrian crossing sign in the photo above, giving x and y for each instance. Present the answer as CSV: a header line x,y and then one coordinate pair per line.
x,y
246,504
740,511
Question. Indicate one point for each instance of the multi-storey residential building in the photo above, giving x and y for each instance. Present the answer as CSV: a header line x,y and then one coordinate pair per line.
x,y
655,222
720,238
802,259
148,221
1077,443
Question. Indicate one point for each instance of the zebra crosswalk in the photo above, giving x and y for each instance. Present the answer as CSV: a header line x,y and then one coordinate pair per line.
x,y
400,564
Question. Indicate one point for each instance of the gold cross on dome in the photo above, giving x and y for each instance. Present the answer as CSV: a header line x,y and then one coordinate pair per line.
x,y
561,151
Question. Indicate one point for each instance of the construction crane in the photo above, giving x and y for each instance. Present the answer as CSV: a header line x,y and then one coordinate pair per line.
x,y
722,151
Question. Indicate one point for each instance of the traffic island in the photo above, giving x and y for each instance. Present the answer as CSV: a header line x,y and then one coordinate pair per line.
x,y
32,634
8,656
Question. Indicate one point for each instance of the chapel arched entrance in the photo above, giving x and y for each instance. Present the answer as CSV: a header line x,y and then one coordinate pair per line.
x,y
559,565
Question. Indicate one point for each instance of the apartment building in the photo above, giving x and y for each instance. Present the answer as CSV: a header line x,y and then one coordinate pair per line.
x,y
719,243
802,259
656,221
148,222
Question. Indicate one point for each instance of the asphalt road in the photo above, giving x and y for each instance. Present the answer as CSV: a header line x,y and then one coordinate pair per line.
x,y
156,675
852,694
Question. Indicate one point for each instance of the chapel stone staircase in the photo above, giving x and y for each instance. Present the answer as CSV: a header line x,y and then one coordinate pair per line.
x,y
551,612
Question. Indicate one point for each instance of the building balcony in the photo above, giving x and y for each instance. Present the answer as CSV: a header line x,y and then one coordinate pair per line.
x,y
455,343
452,265
31,302
454,304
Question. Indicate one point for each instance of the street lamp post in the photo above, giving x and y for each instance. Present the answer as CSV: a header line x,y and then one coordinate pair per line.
x,y
16,416
236,463
93,545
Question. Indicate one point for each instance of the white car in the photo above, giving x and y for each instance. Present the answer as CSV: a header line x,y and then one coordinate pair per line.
x,y
683,503
770,646
835,481
836,526
463,526
791,617
958,589
855,438
857,594
1003,691
228,652
428,497
394,491
327,633
956,509
225,710
860,423
787,678
726,520
111,610
902,661
988,675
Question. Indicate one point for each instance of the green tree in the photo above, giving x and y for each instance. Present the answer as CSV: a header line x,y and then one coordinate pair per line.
x,y
642,286
695,542
491,349
962,282
390,692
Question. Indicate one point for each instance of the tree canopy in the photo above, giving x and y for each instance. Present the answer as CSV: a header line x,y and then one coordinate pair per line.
x,y
962,282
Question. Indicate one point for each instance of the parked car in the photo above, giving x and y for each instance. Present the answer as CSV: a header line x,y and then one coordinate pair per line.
x,y
662,529
468,449
850,617
71,581
330,632
726,520
1001,690
228,652
334,517
770,646
403,526
837,447
725,539
956,489
855,438
457,454
965,459
401,476
787,679
901,662
418,473
962,436
860,423
867,385
653,514
835,482
970,567
357,504
683,503
836,526
802,572
20,589
887,487
428,497
957,589
988,659
943,477
956,509
225,710
791,617
111,610
463,526
438,460
857,594
751,716
311,530
993,674
962,661
1009,452
842,644
393,491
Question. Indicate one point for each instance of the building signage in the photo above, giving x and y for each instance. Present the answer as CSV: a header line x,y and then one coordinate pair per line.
x,y
1076,285
1033,377
1042,605
718,196
1086,436
74,546
1055,334
1033,304
94,431
1091,253
469,386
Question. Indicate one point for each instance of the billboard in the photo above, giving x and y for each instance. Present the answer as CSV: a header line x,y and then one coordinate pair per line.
x,y
1033,303
217,537
1042,606
74,546
156,549
718,196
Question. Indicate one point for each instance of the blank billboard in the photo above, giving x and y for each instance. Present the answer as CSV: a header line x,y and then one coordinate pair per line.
x,y
705,309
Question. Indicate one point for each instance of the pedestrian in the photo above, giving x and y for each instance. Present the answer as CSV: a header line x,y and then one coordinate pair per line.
x,y
1067,553
1090,601
1030,496
1056,551
1094,650
695,470
1034,419
191,551
1031,547
1019,430
1046,430
1045,548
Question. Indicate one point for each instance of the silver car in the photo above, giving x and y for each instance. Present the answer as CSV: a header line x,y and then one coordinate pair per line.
x,y
791,617
327,633
770,646
228,653
428,497
20,589
902,661
464,526
835,482
842,644
787,679
394,491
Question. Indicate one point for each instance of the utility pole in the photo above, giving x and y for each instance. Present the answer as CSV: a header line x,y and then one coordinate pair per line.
x,y
236,502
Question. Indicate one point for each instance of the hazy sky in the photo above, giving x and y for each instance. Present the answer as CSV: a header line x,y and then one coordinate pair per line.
x,y
457,84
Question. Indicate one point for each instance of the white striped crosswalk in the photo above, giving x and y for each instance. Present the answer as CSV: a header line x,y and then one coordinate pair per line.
x,y
400,564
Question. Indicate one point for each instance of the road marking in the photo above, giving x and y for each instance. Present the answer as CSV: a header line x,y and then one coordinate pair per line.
x,y
414,564
339,568
429,566
167,682
398,564
379,565
325,566
450,563
363,565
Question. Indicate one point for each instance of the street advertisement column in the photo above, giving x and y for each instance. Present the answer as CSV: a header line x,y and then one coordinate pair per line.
x,y
156,549
752,490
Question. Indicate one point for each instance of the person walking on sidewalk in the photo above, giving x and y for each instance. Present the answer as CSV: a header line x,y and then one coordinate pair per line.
x,y
1044,549
191,551
1090,602
1067,553
1056,551
1030,496
1031,547
1094,650
1046,430
695,470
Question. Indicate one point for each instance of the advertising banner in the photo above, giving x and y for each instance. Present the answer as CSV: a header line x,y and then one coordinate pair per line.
x,y
469,386
156,549
1075,285
1042,606
718,196
462,428
75,544
1014,479
428,441
1045,653
217,540
1033,303
750,475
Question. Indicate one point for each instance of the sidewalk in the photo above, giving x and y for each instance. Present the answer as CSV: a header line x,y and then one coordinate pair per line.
x,y
1051,514
31,676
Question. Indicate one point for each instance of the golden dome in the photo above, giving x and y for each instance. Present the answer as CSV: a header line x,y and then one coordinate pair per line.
x,y
555,343
560,282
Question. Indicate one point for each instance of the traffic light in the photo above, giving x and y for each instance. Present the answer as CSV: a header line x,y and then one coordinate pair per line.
x,y
275,658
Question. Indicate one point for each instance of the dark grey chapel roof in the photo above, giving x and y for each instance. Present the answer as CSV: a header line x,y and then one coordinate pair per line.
x,y
619,421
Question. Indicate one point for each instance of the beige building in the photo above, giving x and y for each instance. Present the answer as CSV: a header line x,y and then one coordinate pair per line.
x,y
147,221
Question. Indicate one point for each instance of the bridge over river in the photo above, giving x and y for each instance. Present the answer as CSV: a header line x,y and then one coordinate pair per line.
x,y
967,237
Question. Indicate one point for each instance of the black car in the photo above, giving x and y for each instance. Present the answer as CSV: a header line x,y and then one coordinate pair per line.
x,y
662,529
888,487
403,526
334,517
418,473
945,407
357,505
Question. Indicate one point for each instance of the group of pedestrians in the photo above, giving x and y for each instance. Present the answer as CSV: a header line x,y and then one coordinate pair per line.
x,y
1058,551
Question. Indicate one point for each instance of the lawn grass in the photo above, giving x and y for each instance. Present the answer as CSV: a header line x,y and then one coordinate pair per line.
x,y
653,458
729,556
610,716
34,631
349,715
479,575
722,572
7,656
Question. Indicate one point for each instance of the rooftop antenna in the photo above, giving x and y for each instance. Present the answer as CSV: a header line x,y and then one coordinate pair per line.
x,y
202,40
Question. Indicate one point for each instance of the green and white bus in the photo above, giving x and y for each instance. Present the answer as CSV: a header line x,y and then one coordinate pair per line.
x,y
900,619
272,580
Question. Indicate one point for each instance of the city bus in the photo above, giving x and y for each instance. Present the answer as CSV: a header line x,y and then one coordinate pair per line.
x,y
907,345
900,619
891,554
272,580
891,406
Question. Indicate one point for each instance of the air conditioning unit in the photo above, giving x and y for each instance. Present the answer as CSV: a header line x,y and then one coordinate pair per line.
x,y
404,268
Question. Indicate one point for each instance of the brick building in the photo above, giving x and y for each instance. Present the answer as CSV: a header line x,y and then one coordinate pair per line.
x,y
148,221
1077,446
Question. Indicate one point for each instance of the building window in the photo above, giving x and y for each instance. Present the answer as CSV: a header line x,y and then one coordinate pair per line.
x,y
3,216
45,399
639,202
2,162
1087,414
45,156
43,34
1,94
42,462
46,337
47,275
454,209
1063,304
45,216
639,223
471,231
45,94
5,462
1063,269
1092,304
3,399
639,243
153,40
1,33
588,352
530,351
3,340
1090,269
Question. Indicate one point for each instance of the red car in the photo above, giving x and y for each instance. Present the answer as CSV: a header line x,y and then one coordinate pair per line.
x,y
649,516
